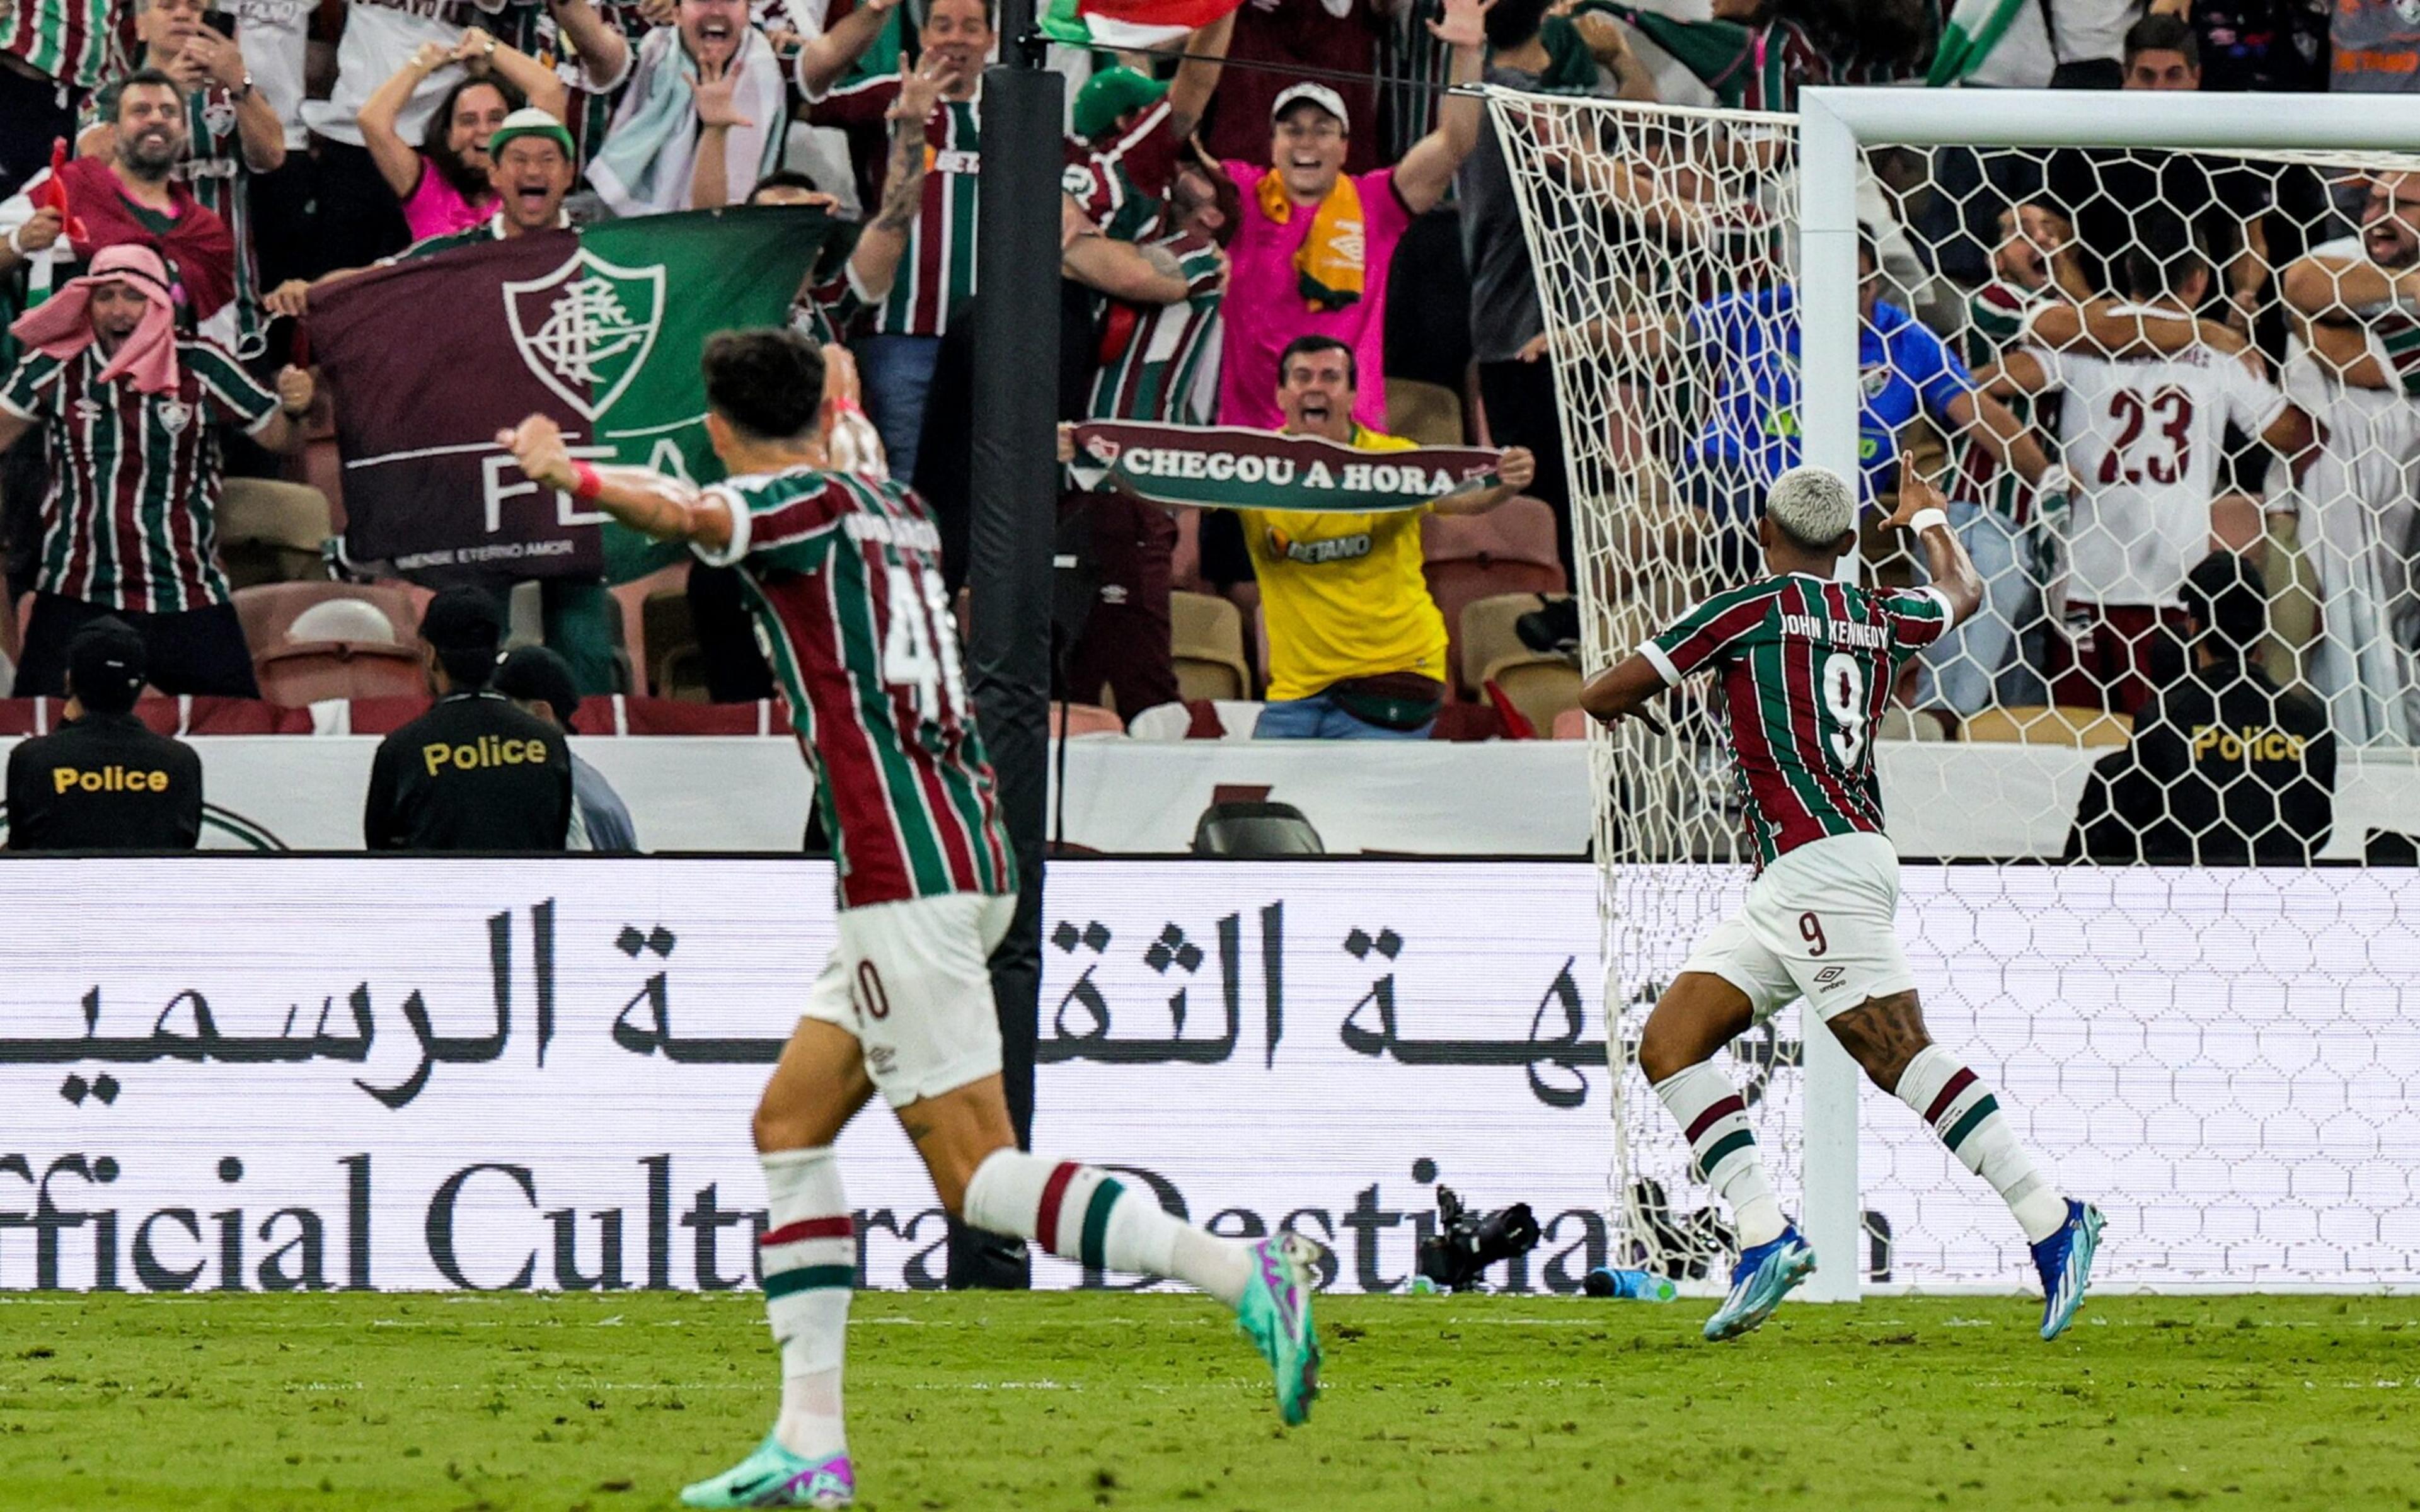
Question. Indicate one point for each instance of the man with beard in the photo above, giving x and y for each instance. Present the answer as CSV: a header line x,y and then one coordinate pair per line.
x,y
702,120
128,525
132,195
231,132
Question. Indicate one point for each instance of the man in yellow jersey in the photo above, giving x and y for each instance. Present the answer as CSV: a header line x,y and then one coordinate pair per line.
x,y
1356,646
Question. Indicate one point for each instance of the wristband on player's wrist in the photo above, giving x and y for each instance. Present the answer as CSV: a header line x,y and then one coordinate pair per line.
x,y
585,484
1925,520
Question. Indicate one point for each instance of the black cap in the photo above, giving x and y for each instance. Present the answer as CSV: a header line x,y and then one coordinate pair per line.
x,y
2228,597
533,674
106,664
463,619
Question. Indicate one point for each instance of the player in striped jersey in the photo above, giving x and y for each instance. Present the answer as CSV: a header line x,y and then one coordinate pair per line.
x,y
1807,663
845,580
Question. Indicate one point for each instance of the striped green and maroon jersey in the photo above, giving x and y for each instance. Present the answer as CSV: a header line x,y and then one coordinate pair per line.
x,y
130,519
1807,665
1995,318
74,41
843,578
832,311
1121,185
1152,354
936,272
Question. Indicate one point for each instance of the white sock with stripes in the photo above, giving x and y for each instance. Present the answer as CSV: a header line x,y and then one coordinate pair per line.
x,y
809,1261
1707,1106
1967,1118
1084,1213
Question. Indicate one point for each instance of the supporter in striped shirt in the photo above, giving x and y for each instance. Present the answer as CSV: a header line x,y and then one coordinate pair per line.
x,y
1806,663
130,521
1158,363
843,578
1130,134
936,274
232,132
826,310
50,51
1985,660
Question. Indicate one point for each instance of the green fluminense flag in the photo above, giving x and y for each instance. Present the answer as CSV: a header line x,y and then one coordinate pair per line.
x,y
598,327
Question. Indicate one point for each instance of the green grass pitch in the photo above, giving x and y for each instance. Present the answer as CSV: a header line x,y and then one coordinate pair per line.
x,y
1103,1400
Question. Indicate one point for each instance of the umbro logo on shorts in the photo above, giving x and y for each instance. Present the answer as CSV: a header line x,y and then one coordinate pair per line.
x,y
1830,975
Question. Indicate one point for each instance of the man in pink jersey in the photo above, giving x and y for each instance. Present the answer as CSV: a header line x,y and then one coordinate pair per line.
x,y
1807,663
843,576
1312,255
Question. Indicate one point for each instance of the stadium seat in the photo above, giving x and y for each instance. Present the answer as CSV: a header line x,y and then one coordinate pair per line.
x,y
638,625
354,620
1540,684
1206,636
1429,413
1510,549
2038,724
272,532
269,610
1073,721
306,673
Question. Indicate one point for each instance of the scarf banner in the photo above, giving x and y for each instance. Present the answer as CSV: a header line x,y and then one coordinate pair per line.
x,y
1230,467
600,328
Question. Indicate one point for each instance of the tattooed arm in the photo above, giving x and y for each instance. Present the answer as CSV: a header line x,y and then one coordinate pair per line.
x,y
875,260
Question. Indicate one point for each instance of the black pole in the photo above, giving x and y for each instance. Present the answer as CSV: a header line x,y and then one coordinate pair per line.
x,y
1010,531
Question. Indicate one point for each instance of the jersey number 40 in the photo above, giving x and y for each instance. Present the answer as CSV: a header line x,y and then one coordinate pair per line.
x,y
920,645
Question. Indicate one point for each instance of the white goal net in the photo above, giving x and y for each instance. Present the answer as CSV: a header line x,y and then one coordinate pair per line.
x,y
2154,798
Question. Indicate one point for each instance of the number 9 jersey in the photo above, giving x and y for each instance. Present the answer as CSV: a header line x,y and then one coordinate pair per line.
x,y
843,580
1807,665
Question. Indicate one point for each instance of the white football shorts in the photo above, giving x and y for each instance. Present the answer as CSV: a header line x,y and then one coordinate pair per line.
x,y
1820,923
912,980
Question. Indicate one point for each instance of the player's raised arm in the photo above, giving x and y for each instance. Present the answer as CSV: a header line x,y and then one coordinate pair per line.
x,y
1621,689
1946,559
668,509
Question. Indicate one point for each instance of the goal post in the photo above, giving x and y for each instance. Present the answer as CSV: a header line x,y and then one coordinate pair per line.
x,y
1836,126
2273,1090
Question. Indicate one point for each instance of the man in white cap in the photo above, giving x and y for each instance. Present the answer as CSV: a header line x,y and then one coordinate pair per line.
x,y
1310,258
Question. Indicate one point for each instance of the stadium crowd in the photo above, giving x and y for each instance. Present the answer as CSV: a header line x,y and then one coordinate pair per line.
x,y
1292,172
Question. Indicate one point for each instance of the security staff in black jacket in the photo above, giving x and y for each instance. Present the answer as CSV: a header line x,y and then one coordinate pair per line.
x,y
475,773
103,782
2225,768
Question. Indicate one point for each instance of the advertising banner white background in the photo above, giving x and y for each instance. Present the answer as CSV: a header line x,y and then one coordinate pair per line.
x,y
402,1073
1522,798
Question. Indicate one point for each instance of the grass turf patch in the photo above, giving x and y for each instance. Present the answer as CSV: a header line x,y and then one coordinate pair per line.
x,y
1108,1400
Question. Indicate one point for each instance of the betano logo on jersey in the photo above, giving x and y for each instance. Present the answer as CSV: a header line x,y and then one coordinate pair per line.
x,y
2251,743
1316,553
